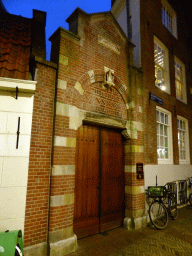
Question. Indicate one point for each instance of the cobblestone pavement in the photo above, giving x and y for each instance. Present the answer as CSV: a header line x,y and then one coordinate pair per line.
x,y
175,239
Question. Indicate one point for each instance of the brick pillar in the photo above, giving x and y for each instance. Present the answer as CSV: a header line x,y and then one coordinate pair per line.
x,y
37,201
134,153
61,237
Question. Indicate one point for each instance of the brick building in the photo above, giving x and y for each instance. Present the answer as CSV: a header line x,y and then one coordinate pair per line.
x,y
94,122
18,44
158,30
81,134
22,44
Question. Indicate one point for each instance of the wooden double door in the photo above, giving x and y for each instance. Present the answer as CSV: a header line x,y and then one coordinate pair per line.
x,y
99,181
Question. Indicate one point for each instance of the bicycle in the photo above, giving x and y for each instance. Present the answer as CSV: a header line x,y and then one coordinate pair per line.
x,y
158,211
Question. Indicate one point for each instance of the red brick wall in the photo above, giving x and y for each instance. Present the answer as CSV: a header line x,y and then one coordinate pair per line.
x,y
151,25
135,202
37,203
83,57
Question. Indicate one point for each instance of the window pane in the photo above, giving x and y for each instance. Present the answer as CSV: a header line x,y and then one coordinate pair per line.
x,y
181,154
161,153
166,142
183,125
184,154
157,116
181,144
177,123
181,135
162,136
161,129
179,79
166,153
165,130
166,119
158,128
162,117
182,139
161,141
158,141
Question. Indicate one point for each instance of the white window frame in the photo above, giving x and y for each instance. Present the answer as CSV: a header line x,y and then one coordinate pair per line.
x,y
169,160
164,83
186,140
182,80
169,17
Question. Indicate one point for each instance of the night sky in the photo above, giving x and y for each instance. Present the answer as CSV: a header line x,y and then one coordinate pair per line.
x,y
57,11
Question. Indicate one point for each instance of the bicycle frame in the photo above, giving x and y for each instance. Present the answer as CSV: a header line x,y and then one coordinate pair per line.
x,y
167,208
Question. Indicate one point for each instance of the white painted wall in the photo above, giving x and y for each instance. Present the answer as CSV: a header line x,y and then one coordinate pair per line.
x,y
120,13
14,162
165,173
122,20
136,38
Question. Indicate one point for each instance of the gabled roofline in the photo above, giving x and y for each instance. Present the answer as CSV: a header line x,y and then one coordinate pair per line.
x,y
78,11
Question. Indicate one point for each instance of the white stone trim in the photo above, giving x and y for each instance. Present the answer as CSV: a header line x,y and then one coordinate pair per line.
x,y
62,109
60,141
109,44
37,249
135,125
130,168
9,84
63,247
62,200
62,84
134,190
75,115
140,109
79,88
63,170
92,76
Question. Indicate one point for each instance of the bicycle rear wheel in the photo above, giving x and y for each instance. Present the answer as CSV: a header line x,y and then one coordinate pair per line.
x,y
173,208
158,215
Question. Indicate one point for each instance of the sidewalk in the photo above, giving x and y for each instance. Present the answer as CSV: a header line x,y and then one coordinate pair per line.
x,y
175,239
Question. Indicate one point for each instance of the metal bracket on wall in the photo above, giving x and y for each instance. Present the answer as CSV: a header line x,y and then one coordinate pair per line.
x,y
18,132
17,90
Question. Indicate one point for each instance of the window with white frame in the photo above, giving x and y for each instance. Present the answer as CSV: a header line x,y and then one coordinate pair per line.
x,y
161,60
180,84
169,18
164,136
183,139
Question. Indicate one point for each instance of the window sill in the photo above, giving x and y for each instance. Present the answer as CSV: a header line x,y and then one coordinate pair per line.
x,y
168,161
184,101
184,162
166,90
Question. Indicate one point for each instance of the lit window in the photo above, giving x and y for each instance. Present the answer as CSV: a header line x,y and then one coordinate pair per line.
x,y
164,136
183,139
168,18
180,84
161,66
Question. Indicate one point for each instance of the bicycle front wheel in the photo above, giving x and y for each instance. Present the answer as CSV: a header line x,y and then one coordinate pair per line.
x,y
173,208
158,215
